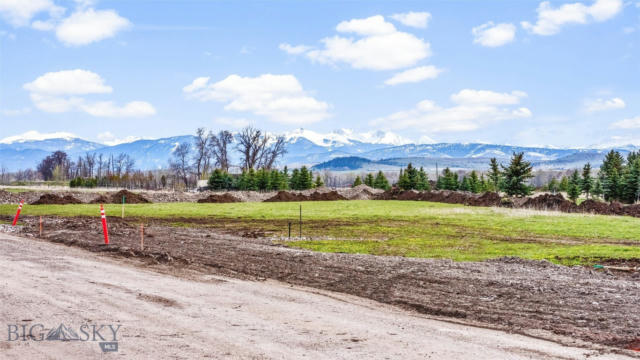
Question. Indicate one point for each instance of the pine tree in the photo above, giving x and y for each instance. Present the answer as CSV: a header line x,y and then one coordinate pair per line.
x,y
495,176
318,183
464,184
475,185
381,182
553,185
306,180
357,182
368,180
252,180
423,180
611,185
403,181
516,175
564,184
449,180
597,188
219,180
587,180
631,184
295,180
263,181
574,186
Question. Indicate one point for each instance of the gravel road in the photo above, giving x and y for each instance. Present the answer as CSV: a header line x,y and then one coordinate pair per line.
x,y
186,314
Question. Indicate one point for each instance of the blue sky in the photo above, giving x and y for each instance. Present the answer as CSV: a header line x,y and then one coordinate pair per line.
x,y
558,73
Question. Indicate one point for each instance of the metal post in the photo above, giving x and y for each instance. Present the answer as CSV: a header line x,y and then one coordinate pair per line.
x,y
289,229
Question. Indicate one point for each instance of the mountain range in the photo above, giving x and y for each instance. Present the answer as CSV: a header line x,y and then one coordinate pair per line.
x,y
341,150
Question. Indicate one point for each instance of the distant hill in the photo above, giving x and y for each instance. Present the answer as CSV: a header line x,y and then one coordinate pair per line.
x,y
338,151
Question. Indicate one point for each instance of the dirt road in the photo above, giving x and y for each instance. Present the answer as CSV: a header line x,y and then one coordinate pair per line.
x,y
195,315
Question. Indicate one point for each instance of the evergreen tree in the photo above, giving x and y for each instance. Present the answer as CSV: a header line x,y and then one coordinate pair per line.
x,y
219,180
587,180
449,180
574,186
553,185
295,180
564,184
464,184
403,181
412,175
318,183
495,176
475,185
357,182
516,175
263,181
306,179
381,182
252,180
597,190
423,180
611,185
631,183
368,180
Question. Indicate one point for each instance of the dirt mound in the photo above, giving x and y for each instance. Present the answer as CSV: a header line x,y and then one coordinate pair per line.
x,y
130,198
101,199
550,202
487,199
630,210
52,199
361,192
285,196
598,207
219,198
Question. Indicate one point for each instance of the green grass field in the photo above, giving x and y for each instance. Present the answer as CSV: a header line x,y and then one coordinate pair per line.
x,y
403,228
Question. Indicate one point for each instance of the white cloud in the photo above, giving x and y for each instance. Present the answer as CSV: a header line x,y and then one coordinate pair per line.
x,y
15,112
34,135
69,82
280,98
414,75
374,25
63,91
414,19
294,50
551,20
474,109
109,109
594,105
493,35
20,12
86,26
631,123
486,97
378,46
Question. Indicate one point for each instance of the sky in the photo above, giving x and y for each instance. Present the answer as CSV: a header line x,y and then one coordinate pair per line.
x,y
541,73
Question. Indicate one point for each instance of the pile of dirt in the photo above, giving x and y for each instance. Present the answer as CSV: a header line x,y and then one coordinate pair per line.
x,y
489,198
130,198
286,196
219,198
550,202
101,199
360,192
597,207
52,199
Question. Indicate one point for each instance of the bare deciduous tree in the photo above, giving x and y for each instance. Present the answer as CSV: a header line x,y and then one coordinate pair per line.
x,y
219,148
201,152
256,149
180,164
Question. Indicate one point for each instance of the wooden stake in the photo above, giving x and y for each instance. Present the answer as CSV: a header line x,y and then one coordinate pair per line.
x,y
141,237
123,200
40,226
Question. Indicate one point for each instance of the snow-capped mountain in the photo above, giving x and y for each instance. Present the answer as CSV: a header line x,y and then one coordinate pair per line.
x,y
305,147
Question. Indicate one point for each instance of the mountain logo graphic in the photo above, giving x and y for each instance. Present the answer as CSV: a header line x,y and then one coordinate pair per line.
x,y
62,333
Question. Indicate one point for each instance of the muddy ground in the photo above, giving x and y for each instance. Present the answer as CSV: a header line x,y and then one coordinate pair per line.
x,y
529,297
